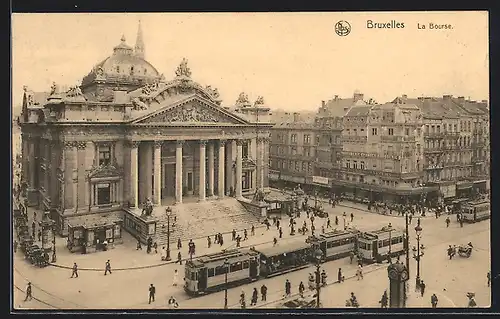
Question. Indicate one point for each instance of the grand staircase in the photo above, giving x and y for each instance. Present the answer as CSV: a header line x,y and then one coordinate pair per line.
x,y
194,220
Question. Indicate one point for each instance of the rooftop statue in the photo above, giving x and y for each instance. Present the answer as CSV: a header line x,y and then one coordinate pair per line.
x,y
183,69
242,99
54,88
259,101
213,91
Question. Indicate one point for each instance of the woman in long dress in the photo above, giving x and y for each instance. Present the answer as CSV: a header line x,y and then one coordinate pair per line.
x,y
176,274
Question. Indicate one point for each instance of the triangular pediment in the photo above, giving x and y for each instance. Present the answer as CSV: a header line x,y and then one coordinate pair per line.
x,y
191,110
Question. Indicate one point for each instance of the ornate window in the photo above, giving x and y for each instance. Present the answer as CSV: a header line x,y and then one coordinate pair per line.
x,y
104,155
245,150
103,192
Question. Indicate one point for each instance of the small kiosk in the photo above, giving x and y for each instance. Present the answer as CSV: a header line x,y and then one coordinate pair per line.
x,y
280,204
91,238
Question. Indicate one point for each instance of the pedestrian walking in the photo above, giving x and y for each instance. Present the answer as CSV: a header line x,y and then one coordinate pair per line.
x,y
245,234
340,277
29,292
434,300
179,243
352,217
155,246
488,276
221,239
108,268
410,218
328,223
384,300
175,278
209,242
422,288
280,232
301,289
252,231
447,222
323,278
179,258
277,224
288,288
238,241
242,300
74,273
233,233
39,235
139,246
255,296
351,256
163,254
336,220
263,292
359,272
275,241
152,292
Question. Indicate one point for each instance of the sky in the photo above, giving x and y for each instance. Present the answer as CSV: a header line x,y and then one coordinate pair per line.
x,y
293,60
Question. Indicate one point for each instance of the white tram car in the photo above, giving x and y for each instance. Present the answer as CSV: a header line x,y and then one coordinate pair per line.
x,y
376,245
208,273
475,211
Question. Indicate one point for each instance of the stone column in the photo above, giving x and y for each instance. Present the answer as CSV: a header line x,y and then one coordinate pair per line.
x,y
262,150
148,170
178,172
211,164
157,172
202,170
134,174
239,167
69,165
229,167
80,175
222,156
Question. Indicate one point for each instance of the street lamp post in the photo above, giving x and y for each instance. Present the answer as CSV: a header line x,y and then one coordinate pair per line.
x,y
418,252
407,247
226,267
318,255
390,240
168,211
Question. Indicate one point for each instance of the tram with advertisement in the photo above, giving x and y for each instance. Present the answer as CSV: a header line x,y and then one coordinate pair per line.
x,y
474,211
208,273
379,244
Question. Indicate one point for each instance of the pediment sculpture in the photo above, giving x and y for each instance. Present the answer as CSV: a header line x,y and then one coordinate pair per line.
x,y
138,104
54,88
192,114
213,91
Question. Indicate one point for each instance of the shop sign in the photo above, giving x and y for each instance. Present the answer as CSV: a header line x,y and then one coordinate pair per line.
x,y
320,180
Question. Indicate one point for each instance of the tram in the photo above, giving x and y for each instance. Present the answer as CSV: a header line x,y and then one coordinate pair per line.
x,y
378,245
475,211
335,244
281,259
208,273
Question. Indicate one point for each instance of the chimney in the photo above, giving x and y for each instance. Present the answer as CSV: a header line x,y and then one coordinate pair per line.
x,y
323,103
461,100
358,96
446,97
296,116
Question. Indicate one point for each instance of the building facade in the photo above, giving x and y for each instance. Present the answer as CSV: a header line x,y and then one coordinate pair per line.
x,y
127,134
382,150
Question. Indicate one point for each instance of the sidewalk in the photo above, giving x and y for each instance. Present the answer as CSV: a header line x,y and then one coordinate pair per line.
x,y
126,257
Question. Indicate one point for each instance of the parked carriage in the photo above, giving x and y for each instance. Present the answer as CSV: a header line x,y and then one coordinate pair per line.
x,y
37,256
465,250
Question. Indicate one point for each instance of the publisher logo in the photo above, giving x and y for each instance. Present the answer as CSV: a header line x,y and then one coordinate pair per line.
x,y
342,28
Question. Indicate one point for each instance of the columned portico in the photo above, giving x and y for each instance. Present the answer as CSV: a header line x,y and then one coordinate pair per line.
x,y
222,177
239,168
211,169
157,172
202,186
178,171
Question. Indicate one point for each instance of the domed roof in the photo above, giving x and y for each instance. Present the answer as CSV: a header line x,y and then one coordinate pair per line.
x,y
125,62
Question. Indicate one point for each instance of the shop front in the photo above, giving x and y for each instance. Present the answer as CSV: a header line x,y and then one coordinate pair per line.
x,y
88,239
